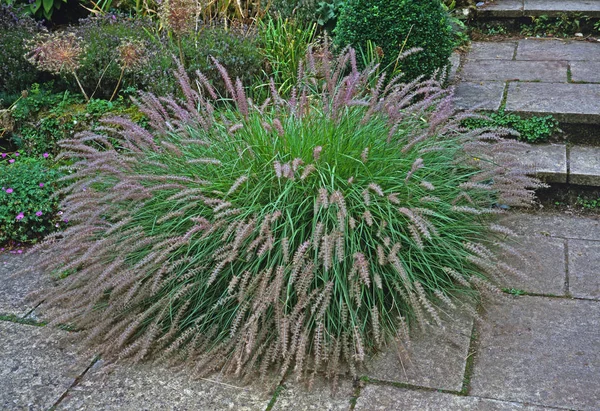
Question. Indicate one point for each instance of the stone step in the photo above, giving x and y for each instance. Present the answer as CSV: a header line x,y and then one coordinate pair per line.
x,y
510,9
558,163
533,77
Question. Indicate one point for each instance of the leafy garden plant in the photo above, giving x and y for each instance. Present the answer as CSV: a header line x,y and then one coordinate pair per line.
x,y
536,129
28,209
296,235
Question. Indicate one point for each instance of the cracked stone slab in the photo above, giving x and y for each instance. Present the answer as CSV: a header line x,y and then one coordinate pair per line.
x,y
553,225
569,103
14,289
148,387
584,268
296,397
37,367
555,8
491,50
436,359
501,8
549,160
542,351
585,71
389,398
479,96
544,49
585,166
505,70
543,264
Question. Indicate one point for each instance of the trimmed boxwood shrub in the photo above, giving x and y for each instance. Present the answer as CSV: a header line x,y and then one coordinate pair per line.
x,y
396,26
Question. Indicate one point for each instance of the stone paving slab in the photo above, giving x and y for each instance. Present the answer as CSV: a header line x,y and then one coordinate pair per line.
x,y
584,269
542,351
36,368
543,263
13,290
435,361
504,70
585,71
492,50
148,387
569,103
296,397
585,166
481,96
553,49
502,8
549,160
555,8
388,398
553,225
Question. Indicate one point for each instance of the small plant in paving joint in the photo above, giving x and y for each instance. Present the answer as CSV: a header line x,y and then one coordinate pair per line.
x,y
297,235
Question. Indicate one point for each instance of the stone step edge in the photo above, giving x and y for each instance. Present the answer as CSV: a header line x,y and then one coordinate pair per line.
x,y
565,164
510,10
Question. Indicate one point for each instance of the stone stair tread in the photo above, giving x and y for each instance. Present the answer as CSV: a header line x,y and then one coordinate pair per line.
x,y
567,102
550,8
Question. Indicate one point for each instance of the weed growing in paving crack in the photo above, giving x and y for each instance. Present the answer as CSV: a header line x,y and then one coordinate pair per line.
x,y
298,235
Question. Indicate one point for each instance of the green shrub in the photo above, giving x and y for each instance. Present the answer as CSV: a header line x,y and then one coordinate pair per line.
x,y
537,129
398,26
100,69
308,12
43,118
16,73
27,209
300,234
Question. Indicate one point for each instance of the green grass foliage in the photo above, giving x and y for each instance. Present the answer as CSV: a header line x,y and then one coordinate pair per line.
x,y
298,235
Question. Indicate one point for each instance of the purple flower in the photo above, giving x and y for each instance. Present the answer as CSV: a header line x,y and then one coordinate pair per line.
x,y
46,155
20,216
66,220
19,251
3,155
12,160
41,184
17,154
9,190
38,213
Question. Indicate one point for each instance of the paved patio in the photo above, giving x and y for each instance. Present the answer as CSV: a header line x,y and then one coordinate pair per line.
x,y
536,351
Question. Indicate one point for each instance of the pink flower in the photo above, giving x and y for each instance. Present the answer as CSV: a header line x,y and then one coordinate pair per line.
x,y
41,184
19,251
12,160
9,190
46,155
17,154
20,216
38,213
3,155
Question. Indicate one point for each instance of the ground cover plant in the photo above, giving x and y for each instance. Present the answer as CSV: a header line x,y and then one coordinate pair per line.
x,y
535,129
28,210
296,235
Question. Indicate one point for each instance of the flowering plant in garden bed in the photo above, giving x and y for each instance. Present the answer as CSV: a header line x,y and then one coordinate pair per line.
x,y
296,235
28,210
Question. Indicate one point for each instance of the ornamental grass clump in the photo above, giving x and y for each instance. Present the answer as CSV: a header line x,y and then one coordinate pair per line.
x,y
295,236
